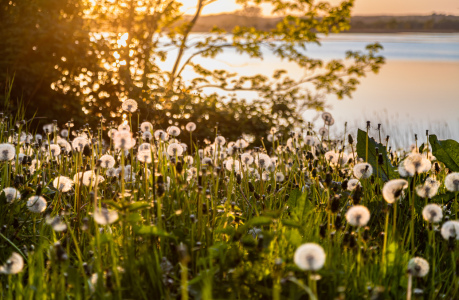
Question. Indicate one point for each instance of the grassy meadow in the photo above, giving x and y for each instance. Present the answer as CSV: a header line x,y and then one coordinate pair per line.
x,y
131,211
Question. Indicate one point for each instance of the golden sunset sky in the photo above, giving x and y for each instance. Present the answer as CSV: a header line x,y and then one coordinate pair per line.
x,y
362,7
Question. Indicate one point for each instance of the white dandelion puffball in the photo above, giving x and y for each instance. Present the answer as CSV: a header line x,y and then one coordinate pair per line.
x,y
55,150
123,140
79,143
173,130
146,126
36,204
144,156
130,105
418,267
56,223
247,159
111,133
13,265
147,136
363,170
231,165
427,190
358,215
263,160
220,141
144,147
89,178
432,213
280,176
352,184
104,216
309,256
174,149
161,135
124,127
190,127
107,161
416,163
63,184
452,182
241,144
11,194
450,230
7,152
393,189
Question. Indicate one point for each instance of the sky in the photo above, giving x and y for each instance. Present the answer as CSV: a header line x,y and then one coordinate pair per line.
x,y
361,7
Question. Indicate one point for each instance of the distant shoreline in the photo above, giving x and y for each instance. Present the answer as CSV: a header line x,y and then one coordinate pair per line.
x,y
359,24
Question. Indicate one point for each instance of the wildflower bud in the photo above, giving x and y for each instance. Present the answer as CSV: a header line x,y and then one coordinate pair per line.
x,y
314,173
368,124
379,126
344,185
380,159
357,195
323,230
366,234
334,203
87,269
38,191
350,139
338,221
427,132
377,150
183,253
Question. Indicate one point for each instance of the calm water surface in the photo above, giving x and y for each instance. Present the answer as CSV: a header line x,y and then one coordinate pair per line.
x,y
417,88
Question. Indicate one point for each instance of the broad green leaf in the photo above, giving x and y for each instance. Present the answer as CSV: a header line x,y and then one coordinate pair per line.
x,y
386,170
446,151
259,221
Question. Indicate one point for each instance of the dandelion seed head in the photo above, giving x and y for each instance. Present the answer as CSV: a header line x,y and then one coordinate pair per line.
x,y
146,127
144,156
174,149
309,256
432,213
363,170
358,215
104,216
173,130
55,150
280,177
63,184
7,152
416,163
352,184
263,160
452,182
220,140
161,135
79,143
130,105
450,230
13,265
11,194
36,204
393,189
123,140
124,127
107,161
190,127
418,267
56,223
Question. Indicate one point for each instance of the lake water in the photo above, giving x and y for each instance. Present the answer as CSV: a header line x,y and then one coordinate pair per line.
x,y
417,88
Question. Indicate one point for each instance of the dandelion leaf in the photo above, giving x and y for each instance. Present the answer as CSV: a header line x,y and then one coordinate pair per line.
x,y
446,151
152,230
386,170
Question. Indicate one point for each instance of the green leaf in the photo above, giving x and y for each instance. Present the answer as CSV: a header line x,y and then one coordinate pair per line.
x,y
259,221
446,151
293,237
152,230
386,170
139,205
290,223
443,198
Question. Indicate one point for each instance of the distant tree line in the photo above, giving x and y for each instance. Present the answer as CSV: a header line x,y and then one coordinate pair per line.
x,y
79,59
432,23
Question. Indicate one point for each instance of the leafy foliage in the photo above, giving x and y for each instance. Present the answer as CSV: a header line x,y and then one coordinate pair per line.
x,y
94,56
385,170
446,151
